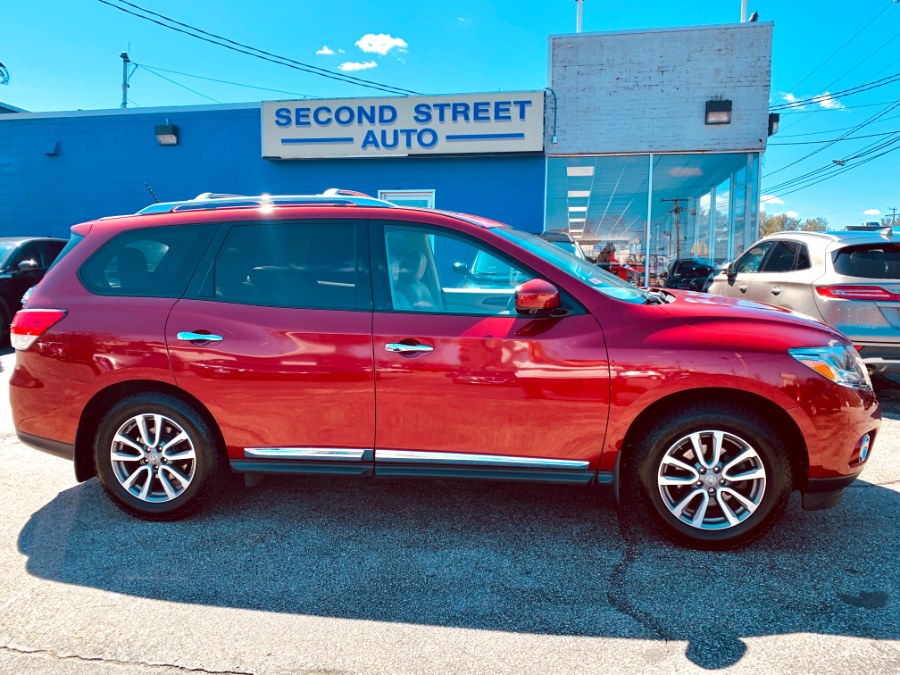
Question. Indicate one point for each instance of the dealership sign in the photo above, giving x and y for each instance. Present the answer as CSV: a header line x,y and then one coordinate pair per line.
x,y
400,127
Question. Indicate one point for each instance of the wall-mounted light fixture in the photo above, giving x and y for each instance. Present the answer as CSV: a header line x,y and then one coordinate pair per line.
x,y
718,112
166,134
774,121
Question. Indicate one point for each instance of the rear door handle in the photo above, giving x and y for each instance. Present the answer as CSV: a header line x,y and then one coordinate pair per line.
x,y
776,290
742,288
400,348
198,337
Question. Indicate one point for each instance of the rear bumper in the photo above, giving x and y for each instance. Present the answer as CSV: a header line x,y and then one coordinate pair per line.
x,y
825,493
56,448
881,358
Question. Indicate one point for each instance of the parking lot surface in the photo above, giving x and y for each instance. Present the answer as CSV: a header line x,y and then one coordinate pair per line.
x,y
391,576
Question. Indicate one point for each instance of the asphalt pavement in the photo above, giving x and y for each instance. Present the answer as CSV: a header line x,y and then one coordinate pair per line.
x,y
399,576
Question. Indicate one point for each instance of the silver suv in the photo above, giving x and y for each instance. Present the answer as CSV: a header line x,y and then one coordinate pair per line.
x,y
850,280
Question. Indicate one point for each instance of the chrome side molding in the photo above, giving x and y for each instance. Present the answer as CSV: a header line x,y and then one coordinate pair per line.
x,y
331,454
467,459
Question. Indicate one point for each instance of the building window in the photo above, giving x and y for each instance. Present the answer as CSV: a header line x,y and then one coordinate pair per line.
x,y
416,198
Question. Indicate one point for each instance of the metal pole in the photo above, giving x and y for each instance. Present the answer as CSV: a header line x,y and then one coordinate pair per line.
x,y
743,11
580,5
647,229
125,62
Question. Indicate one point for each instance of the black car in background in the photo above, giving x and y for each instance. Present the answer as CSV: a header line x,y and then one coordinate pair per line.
x,y
23,263
690,274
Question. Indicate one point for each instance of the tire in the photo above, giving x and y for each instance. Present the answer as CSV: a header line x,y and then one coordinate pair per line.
x,y
144,473
5,321
691,497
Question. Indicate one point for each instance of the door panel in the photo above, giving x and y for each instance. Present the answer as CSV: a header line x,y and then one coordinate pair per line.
x,y
496,385
280,377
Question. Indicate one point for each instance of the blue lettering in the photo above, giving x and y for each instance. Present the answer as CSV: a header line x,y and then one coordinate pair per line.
x,y
370,140
383,117
283,117
408,135
301,117
521,105
423,113
433,138
481,111
344,115
384,140
461,110
365,114
441,108
316,117
501,111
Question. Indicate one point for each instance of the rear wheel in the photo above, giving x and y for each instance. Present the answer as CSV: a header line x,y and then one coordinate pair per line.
x,y
157,457
711,476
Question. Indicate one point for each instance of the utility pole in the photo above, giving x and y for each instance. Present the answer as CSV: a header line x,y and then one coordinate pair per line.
x,y
893,210
580,9
678,208
125,62
743,11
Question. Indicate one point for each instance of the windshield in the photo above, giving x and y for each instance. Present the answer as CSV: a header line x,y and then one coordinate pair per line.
x,y
582,270
5,250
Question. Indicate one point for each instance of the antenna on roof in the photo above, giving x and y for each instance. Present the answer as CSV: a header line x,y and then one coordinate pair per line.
x,y
152,193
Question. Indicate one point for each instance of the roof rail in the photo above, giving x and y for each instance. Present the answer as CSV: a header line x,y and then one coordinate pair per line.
x,y
210,200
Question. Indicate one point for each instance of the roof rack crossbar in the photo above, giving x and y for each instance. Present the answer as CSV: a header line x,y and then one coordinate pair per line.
x,y
210,201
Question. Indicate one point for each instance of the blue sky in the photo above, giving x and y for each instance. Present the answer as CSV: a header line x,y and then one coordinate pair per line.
x,y
63,55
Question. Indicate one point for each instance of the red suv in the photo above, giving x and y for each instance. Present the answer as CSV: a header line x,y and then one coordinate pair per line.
x,y
341,334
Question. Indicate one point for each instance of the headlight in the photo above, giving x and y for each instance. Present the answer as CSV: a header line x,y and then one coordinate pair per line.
x,y
839,363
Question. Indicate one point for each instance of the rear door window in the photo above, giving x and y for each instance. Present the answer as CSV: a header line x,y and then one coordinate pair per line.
x,y
153,262
785,257
305,264
868,261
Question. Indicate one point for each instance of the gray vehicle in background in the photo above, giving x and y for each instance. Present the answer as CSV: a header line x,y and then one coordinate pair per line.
x,y
850,280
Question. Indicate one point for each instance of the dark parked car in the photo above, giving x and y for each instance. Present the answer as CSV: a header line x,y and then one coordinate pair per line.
x,y
690,274
23,263
330,335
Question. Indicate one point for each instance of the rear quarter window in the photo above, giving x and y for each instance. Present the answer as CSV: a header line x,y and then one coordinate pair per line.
x,y
152,262
868,261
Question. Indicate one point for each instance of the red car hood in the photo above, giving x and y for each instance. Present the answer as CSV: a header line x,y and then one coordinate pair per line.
x,y
715,312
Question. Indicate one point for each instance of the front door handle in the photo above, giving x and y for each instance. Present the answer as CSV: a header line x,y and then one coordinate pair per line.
x,y
742,288
776,290
198,337
400,348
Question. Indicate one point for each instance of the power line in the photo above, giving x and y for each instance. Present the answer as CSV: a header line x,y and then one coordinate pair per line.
x,y
831,131
838,50
844,170
178,84
242,48
836,140
841,77
838,108
858,89
213,79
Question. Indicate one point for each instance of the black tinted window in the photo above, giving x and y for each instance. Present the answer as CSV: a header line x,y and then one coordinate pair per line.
x,y
753,258
310,265
869,261
152,262
782,257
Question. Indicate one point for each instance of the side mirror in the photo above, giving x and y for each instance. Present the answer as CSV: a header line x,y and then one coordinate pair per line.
x,y
27,265
460,268
537,297
729,270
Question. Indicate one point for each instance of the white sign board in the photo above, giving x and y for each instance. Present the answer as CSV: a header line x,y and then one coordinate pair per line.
x,y
401,127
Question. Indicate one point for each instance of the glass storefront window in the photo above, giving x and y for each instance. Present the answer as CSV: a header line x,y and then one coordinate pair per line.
x,y
701,207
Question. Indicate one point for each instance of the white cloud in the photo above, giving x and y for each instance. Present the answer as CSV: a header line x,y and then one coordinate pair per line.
x,y
380,44
771,199
325,51
792,214
792,101
340,51
356,65
872,212
826,101
463,19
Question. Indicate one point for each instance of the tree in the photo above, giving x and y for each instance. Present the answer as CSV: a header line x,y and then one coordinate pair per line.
x,y
815,224
888,221
777,223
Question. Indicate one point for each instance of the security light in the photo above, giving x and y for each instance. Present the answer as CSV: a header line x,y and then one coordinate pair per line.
x,y
718,112
167,134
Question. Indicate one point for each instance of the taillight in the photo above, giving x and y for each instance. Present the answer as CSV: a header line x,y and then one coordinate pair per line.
x,y
857,293
29,324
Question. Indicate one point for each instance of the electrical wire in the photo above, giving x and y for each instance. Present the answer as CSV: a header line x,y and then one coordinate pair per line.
x,y
837,140
837,108
841,77
858,89
183,86
830,131
213,79
838,50
844,170
212,38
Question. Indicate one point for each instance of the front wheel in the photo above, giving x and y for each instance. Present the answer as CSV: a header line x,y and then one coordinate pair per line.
x,y
711,476
157,457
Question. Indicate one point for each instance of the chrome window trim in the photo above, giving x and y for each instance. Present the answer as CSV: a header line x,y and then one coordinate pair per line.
x,y
464,458
344,454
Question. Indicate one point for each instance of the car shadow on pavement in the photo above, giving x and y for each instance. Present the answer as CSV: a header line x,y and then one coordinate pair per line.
x,y
502,557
